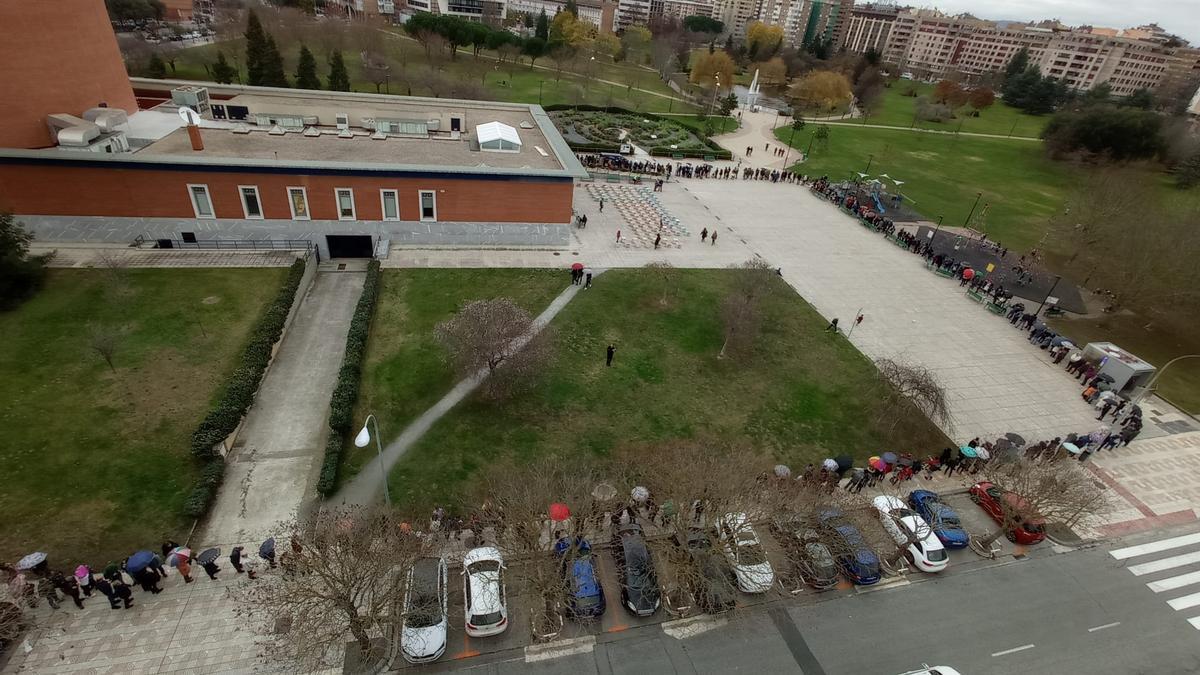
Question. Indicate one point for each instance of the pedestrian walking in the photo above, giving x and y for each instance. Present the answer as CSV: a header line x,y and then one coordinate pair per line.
x,y
588,284
833,325
83,575
703,235
618,235
123,593
211,569
712,239
68,586
168,545
657,240
1106,405
609,355
235,559
47,589
156,564
106,589
1121,403
602,205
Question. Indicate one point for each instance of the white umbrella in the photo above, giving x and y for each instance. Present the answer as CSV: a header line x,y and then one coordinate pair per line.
x,y
782,471
982,454
604,492
830,465
640,494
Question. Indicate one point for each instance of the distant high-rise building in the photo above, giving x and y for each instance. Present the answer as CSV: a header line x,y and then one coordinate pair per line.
x,y
736,14
868,27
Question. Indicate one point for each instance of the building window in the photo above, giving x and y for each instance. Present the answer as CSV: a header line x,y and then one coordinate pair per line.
x,y
428,205
298,201
201,203
251,204
345,203
390,202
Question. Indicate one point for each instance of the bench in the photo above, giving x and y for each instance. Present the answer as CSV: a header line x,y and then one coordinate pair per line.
x,y
943,272
998,310
676,155
710,158
976,296
613,178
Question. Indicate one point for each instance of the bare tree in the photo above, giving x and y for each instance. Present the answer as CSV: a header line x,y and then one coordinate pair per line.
x,y
105,341
562,56
499,338
433,81
1058,493
666,274
905,387
115,268
740,308
343,575
376,69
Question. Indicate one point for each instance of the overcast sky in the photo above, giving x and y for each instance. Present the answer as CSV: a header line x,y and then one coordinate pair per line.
x,y
1181,17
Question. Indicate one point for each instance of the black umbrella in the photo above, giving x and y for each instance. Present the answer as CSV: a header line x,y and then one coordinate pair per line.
x,y
208,555
267,550
844,462
1017,439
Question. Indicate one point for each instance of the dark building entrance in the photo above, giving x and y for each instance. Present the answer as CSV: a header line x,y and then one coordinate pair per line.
x,y
350,245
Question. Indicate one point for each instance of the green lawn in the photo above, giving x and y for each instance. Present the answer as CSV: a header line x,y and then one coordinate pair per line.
x,y
518,83
404,372
720,125
95,462
895,109
802,394
942,175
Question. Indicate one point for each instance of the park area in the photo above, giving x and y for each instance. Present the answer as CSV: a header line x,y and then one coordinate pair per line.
x,y
96,459
898,107
594,127
798,393
411,71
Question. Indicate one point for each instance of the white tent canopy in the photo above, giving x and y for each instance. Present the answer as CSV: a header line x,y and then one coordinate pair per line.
x,y
497,137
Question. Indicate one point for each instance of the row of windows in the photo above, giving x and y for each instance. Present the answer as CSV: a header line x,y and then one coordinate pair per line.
x,y
389,202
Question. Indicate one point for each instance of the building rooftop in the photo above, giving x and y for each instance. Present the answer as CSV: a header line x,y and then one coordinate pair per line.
x,y
365,129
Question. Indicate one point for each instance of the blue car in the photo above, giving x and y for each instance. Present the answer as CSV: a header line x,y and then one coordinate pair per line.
x,y
941,518
855,558
585,597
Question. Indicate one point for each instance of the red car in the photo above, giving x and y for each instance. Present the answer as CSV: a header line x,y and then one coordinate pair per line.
x,y
1027,527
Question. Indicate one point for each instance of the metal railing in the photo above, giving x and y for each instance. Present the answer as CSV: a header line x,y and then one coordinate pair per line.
x,y
237,244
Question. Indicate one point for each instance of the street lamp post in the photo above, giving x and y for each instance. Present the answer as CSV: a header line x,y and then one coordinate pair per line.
x,y
540,85
933,237
712,106
361,441
796,124
978,196
1050,292
808,151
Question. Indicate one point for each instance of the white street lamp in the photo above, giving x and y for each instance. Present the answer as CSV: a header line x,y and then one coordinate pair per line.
x,y
361,441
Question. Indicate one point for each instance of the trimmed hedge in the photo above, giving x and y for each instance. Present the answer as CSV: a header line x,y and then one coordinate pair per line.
x,y
716,150
205,488
661,151
345,394
243,383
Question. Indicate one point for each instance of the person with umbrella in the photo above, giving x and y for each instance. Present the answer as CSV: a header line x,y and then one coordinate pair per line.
x,y
208,560
267,552
181,559
138,566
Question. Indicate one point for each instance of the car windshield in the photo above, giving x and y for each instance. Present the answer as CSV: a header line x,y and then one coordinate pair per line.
x,y
751,554
485,619
423,611
641,576
936,554
483,566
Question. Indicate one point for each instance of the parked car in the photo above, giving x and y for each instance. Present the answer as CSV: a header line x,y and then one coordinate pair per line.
x,y
856,560
909,530
1025,526
943,519
423,633
710,588
812,559
745,553
635,571
483,592
585,595
927,669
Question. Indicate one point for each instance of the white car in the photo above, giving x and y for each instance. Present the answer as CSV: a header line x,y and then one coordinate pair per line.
x,y
927,669
423,634
745,553
483,592
909,529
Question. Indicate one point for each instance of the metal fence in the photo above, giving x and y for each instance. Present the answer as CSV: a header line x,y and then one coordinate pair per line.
x,y
238,244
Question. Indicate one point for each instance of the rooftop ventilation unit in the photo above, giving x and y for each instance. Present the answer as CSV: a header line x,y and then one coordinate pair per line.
x,y
312,132
433,124
241,129
525,124
277,131
192,97
345,133
108,119
343,121
71,131
379,136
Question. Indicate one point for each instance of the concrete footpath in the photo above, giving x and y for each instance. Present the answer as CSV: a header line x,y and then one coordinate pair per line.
x,y
274,464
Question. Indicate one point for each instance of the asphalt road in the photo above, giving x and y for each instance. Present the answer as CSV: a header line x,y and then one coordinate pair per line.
x,y
1076,612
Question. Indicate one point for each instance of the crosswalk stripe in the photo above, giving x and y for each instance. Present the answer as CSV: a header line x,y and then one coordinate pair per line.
x,y
1195,622
1165,564
1186,602
1171,583
1155,546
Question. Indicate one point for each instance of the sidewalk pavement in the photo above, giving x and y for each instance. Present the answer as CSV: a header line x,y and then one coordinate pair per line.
x,y
83,255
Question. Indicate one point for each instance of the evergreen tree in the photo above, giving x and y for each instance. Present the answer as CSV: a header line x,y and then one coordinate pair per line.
x,y
306,71
256,49
527,20
339,79
1017,64
272,66
156,68
571,7
543,26
1142,98
221,70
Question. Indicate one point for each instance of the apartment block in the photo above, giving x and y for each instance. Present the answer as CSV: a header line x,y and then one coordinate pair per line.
x,y
868,28
599,13
632,13
737,14
683,8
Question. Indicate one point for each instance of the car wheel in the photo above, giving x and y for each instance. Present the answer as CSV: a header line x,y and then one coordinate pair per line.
x,y
1011,537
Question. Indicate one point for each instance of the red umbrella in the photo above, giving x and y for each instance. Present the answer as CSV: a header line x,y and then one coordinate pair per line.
x,y
559,511
577,266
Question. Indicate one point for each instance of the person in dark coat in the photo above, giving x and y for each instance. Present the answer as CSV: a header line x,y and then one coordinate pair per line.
x,y
168,545
106,589
235,559
68,586
148,580
609,355
211,569
124,593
